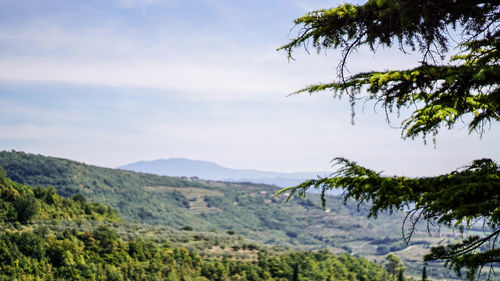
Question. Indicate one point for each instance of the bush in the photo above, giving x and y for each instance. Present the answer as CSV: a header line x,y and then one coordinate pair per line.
x,y
26,208
31,245
79,198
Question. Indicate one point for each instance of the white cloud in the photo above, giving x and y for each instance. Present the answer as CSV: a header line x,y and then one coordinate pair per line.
x,y
111,57
232,89
205,79
210,64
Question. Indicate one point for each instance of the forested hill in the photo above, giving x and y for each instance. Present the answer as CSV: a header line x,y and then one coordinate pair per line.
x,y
46,237
247,209
242,208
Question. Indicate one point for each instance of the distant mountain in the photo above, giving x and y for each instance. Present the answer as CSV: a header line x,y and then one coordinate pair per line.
x,y
181,167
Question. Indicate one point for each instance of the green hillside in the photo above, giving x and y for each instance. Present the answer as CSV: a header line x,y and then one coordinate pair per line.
x,y
47,237
243,208
247,209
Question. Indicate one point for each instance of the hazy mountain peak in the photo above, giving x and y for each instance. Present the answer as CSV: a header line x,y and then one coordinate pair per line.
x,y
178,167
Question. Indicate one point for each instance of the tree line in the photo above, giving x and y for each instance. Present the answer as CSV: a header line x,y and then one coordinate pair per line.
x,y
29,250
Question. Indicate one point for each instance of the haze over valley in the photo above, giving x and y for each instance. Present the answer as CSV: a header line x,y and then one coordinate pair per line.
x,y
182,167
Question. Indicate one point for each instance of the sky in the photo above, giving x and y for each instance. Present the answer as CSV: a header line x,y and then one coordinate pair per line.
x,y
113,82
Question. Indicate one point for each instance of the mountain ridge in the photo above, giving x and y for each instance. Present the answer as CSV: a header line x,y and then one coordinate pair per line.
x,y
184,167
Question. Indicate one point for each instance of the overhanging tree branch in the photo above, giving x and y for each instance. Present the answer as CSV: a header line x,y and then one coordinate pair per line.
x,y
438,93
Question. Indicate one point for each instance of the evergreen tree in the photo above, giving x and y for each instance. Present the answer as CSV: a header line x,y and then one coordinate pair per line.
x,y
401,275
439,92
424,273
393,265
26,207
295,276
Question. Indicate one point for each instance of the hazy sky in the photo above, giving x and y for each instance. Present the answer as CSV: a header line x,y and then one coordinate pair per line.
x,y
113,82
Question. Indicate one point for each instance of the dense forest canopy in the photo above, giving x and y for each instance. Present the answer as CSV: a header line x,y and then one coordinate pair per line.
x,y
33,247
442,90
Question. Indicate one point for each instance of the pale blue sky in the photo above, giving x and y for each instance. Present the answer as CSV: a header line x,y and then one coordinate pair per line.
x,y
114,82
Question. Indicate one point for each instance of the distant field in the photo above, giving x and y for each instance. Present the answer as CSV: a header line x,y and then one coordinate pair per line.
x,y
195,196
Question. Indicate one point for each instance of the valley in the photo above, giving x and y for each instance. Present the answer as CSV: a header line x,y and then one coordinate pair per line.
x,y
163,205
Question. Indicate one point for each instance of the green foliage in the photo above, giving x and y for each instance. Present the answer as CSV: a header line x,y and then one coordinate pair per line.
x,y
22,204
438,93
459,199
31,244
245,209
442,94
123,190
26,208
394,266
101,254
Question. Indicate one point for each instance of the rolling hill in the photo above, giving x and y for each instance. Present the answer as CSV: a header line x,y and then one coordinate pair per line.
x,y
246,209
46,237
